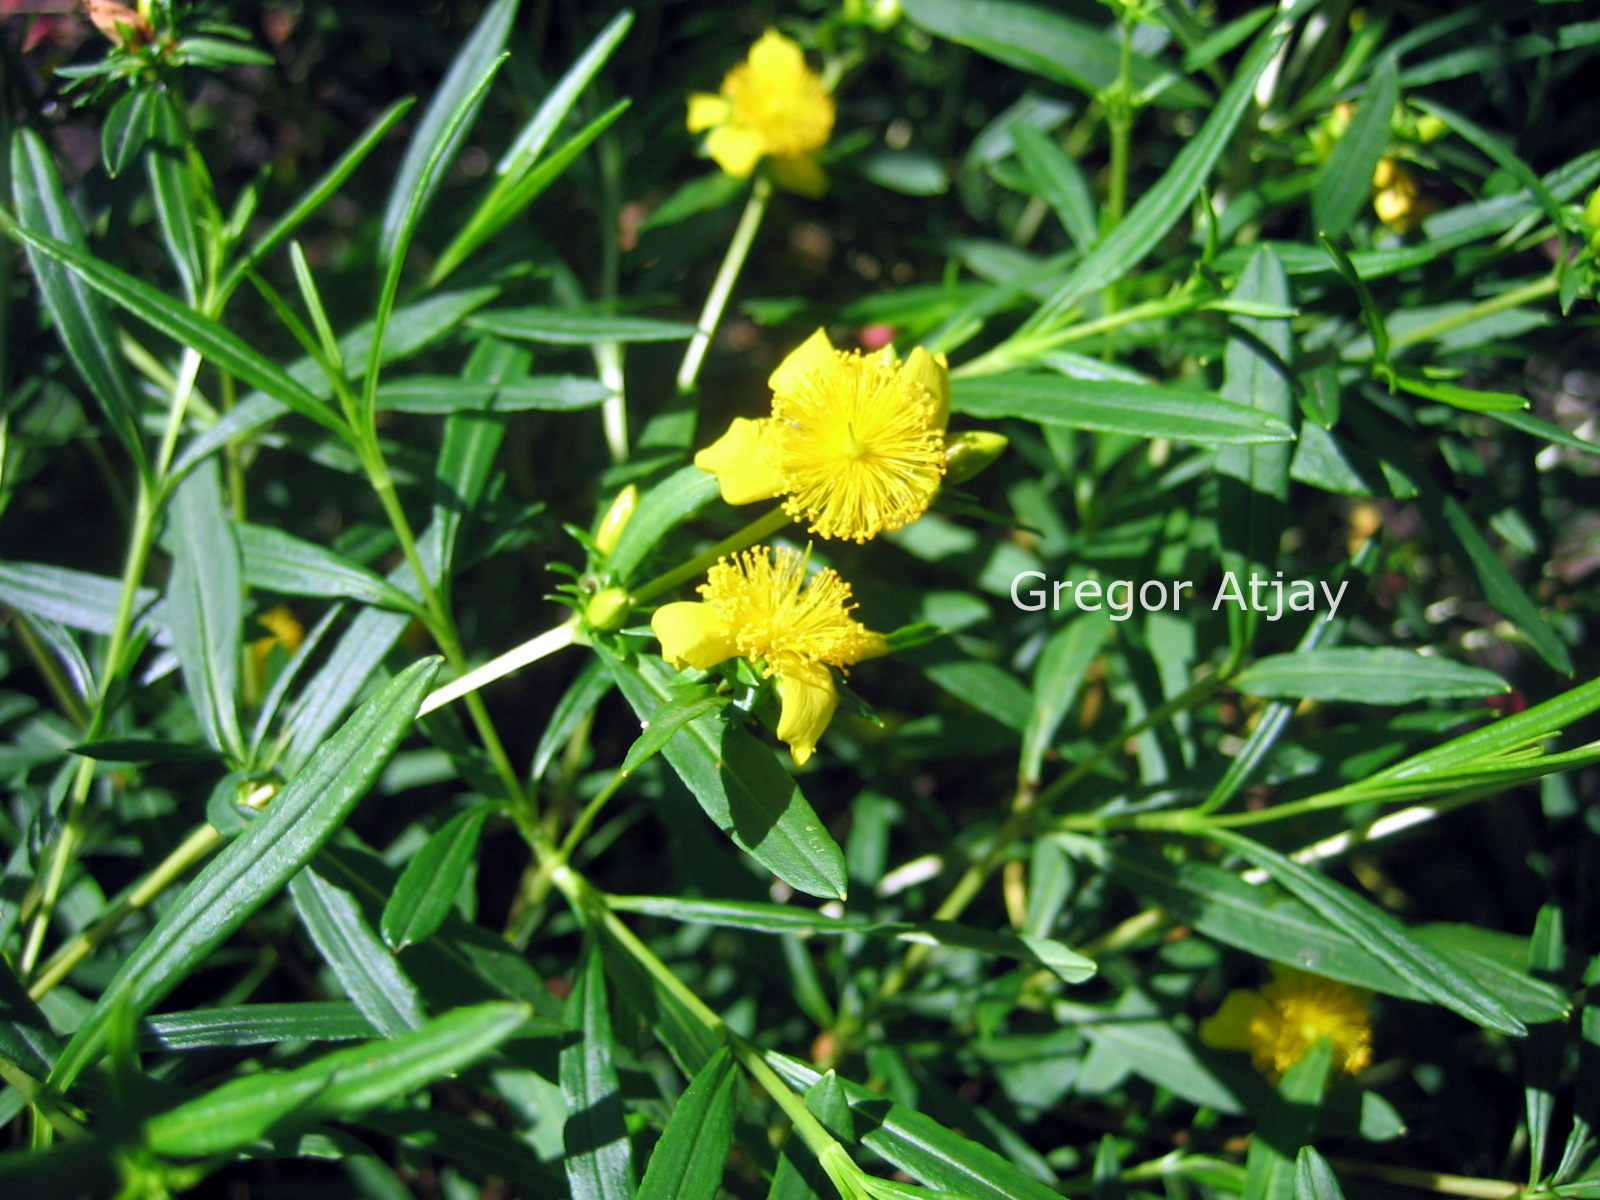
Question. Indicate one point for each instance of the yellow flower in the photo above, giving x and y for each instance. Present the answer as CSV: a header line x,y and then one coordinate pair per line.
x,y
855,443
1291,1014
760,606
772,106
284,629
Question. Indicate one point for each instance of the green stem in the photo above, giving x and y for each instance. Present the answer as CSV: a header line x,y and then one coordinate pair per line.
x,y
200,842
1025,348
748,536
1484,308
143,538
744,235
531,651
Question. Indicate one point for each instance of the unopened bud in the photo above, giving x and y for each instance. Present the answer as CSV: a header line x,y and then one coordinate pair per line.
x,y
616,520
1591,210
608,610
966,454
122,25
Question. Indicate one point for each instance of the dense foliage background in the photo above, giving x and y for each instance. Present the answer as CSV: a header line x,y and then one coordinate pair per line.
x,y
316,399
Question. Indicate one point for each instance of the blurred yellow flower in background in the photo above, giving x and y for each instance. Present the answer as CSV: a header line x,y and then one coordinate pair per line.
x,y
1398,201
1278,1024
760,606
855,443
771,106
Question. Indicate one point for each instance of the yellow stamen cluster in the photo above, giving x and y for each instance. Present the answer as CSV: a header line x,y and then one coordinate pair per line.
x,y
855,443
760,606
1278,1024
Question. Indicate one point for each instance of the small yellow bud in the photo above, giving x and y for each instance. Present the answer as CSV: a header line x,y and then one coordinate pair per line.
x,y
1430,128
608,610
616,520
1591,210
966,454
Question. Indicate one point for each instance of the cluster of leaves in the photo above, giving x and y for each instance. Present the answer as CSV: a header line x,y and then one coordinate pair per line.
x,y
1143,234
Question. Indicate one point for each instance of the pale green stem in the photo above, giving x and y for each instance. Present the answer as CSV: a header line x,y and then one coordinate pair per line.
x,y
1433,1181
200,842
748,536
531,651
1024,349
744,235
121,623
1484,308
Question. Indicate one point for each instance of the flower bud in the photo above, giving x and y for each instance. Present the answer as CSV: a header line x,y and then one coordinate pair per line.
x,y
616,519
966,454
608,610
1591,210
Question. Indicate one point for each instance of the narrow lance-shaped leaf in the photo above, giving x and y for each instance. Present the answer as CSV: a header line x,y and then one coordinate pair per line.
x,y
688,1161
1345,181
80,315
444,126
599,1160
430,881
205,605
369,974
251,868
1437,978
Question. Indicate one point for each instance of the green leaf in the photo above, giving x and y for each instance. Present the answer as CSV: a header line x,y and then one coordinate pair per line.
x,y
553,109
1049,45
205,605
1061,182
1314,1178
687,1162
1385,675
577,702
320,192
793,919
364,968
1431,973
281,562
181,323
143,750
252,867
1546,1042
446,394
172,189
466,459
669,503
431,880
700,194
75,599
920,1146
1164,204
444,127
1223,907
989,688
128,126
257,1025
672,716
1113,406
1158,1052
566,327
1471,399
80,317
1287,1125
1253,483
1345,181
741,785
1063,663
599,1159
26,1039
512,194
342,1083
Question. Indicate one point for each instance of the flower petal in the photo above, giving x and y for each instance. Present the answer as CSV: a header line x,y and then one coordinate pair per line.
x,y
932,371
735,149
692,634
808,700
707,112
745,461
775,58
816,353
799,173
1229,1028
